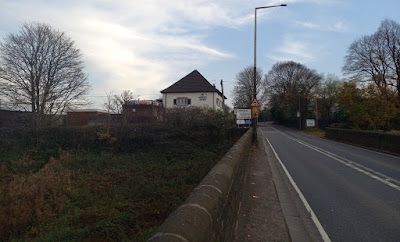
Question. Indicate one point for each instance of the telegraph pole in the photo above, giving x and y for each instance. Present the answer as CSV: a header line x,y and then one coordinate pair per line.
x,y
222,90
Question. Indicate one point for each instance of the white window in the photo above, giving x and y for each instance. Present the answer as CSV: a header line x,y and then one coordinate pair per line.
x,y
182,101
219,102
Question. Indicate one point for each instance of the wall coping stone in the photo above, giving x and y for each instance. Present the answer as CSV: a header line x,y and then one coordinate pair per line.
x,y
210,210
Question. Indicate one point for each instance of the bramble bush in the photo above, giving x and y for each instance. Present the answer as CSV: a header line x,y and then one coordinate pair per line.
x,y
105,182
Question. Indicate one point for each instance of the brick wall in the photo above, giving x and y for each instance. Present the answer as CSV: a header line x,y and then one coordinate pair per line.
x,y
141,113
80,118
15,118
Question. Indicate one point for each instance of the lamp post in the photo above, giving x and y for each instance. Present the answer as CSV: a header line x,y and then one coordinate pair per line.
x,y
255,63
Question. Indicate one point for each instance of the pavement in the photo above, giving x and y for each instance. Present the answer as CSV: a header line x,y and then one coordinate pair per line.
x,y
270,209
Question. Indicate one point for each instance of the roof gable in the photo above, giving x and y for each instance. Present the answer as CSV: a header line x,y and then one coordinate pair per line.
x,y
193,82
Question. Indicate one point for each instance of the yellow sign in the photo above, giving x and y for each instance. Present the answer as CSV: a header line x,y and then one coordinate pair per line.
x,y
255,115
256,109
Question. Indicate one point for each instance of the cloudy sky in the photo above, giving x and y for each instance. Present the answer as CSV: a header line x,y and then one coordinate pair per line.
x,y
145,46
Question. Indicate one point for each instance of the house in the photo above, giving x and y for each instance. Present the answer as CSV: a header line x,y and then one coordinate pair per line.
x,y
193,90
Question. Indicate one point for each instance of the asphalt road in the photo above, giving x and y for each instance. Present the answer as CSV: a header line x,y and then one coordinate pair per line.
x,y
354,192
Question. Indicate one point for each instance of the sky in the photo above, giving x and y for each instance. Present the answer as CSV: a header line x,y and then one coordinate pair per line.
x,y
146,46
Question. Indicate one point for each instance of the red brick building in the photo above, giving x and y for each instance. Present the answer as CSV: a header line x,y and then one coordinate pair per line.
x,y
86,117
10,118
134,112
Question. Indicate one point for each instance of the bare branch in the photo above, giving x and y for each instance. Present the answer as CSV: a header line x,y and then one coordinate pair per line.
x,y
243,90
42,70
376,57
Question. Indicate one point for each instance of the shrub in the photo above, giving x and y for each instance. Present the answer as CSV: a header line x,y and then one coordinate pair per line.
x,y
369,108
105,182
35,198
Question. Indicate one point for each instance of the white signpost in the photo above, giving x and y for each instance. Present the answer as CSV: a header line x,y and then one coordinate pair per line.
x,y
240,121
243,113
243,116
310,123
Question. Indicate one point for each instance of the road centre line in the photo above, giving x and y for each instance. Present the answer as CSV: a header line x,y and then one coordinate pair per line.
x,y
314,218
358,167
386,178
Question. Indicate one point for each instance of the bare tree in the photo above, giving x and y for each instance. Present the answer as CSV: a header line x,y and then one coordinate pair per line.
x,y
41,70
110,105
366,60
114,102
376,57
389,33
291,76
290,87
243,92
125,96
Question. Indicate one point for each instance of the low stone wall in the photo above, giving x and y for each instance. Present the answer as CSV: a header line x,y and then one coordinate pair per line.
x,y
210,212
376,140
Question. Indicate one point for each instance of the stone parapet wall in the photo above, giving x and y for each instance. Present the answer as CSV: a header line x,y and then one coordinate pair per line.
x,y
210,212
376,140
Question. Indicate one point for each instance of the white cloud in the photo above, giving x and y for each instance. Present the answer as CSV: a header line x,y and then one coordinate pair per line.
x,y
308,25
339,26
133,44
294,49
144,46
297,49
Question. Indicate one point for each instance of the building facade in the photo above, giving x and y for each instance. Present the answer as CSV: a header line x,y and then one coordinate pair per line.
x,y
84,117
193,90
134,112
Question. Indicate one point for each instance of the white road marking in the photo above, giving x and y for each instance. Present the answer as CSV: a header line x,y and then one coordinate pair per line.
x,y
314,218
358,167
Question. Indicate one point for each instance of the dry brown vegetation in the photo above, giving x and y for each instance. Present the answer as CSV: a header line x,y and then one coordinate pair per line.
x,y
33,197
105,183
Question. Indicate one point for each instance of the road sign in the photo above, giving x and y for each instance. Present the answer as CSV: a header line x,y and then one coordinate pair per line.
x,y
255,115
244,121
247,121
243,113
255,103
256,110
310,122
240,121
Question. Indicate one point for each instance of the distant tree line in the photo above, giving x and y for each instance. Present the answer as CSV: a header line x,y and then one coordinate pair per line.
x,y
368,99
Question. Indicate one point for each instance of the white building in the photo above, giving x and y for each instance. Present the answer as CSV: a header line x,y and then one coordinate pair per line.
x,y
193,90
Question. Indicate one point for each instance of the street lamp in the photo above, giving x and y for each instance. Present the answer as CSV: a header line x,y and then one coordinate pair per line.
x,y
255,63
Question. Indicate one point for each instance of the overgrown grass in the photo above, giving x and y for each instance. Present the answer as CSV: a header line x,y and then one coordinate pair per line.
x,y
118,189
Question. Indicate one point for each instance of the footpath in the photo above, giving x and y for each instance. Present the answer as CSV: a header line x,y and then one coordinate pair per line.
x,y
270,209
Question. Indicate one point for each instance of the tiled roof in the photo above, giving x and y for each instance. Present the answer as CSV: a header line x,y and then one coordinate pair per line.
x,y
193,82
